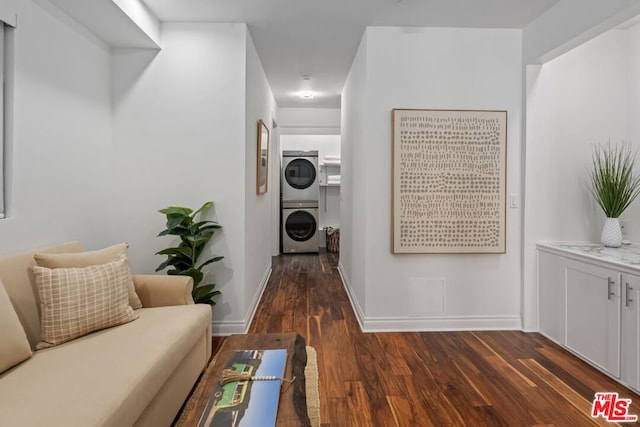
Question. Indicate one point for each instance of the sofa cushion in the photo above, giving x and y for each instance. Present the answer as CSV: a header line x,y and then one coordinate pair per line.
x,y
77,301
107,378
86,259
14,345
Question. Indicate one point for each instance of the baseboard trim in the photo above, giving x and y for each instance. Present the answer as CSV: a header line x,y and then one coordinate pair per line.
x,y
224,328
346,283
427,323
442,324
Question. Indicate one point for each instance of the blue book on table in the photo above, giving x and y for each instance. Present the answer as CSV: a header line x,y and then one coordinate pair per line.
x,y
247,403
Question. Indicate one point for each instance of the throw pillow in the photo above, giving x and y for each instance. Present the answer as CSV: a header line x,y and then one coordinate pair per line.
x,y
77,301
14,345
85,259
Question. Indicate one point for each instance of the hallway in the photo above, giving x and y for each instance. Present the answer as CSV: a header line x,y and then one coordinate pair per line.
x,y
485,378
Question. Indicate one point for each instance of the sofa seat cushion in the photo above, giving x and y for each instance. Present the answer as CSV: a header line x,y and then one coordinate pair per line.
x,y
106,378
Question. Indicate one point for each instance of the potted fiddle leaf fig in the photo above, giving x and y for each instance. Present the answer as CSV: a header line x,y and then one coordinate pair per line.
x,y
615,185
183,259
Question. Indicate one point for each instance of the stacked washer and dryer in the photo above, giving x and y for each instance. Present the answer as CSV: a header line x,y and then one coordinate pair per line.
x,y
300,192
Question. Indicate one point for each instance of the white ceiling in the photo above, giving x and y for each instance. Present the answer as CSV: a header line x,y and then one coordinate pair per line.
x,y
319,38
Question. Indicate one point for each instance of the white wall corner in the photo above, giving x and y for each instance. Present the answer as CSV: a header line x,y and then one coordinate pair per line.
x,y
142,16
8,12
224,328
570,23
11,19
355,304
119,24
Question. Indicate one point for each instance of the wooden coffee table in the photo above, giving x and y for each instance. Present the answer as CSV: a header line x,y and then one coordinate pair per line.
x,y
292,408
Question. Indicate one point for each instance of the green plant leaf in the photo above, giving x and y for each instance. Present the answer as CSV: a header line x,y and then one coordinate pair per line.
x,y
175,231
195,274
176,210
194,237
203,208
164,264
208,298
176,221
209,224
614,183
209,261
197,240
202,290
186,251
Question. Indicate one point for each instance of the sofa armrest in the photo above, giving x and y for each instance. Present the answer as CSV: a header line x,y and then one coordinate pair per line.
x,y
160,291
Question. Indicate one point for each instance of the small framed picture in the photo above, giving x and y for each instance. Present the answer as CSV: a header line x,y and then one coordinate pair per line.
x,y
263,158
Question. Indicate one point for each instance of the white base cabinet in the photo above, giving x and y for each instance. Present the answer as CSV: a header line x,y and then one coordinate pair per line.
x,y
593,314
630,349
590,306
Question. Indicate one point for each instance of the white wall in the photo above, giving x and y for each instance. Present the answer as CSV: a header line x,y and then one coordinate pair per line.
x,y
353,215
260,104
179,130
59,159
309,121
569,23
632,35
139,13
432,68
574,102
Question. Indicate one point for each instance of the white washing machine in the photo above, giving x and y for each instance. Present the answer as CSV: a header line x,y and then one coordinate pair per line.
x,y
300,227
300,176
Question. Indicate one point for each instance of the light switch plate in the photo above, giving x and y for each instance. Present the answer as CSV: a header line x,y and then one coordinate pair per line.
x,y
514,200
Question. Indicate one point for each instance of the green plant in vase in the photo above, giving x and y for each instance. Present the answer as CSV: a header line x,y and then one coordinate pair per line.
x,y
183,258
615,186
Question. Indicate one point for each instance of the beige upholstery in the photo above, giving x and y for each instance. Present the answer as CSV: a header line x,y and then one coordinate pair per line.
x,y
138,373
110,376
14,345
15,273
160,291
86,259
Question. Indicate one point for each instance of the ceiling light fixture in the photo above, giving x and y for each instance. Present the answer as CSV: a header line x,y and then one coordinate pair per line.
x,y
306,95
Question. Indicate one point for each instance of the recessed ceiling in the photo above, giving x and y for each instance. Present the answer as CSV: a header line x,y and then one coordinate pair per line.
x,y
319,38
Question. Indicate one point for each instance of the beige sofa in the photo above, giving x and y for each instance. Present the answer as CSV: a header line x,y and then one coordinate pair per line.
x,y
138,373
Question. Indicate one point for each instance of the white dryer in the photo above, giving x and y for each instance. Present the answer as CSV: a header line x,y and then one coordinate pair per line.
x,y
300,176
300,227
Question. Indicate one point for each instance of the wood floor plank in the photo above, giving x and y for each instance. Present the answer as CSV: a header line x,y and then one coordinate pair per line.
x,y
360,411
571,397
479,378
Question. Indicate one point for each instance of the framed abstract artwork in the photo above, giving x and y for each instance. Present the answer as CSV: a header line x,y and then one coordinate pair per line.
x,y
449,181
263,158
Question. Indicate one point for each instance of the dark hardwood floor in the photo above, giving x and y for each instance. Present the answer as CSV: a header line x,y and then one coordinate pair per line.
x,y
495,378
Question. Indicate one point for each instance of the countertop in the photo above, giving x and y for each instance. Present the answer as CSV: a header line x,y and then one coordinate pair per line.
x,y
626,255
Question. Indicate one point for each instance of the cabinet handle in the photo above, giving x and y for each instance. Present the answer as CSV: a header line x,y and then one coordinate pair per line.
x,y
628,289
610,284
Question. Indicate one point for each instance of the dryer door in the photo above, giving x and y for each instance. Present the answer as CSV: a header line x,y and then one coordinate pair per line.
x,y
300,226
300,173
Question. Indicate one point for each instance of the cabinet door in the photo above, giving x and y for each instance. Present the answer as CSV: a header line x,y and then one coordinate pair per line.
x,y
630,342
593,314
551,294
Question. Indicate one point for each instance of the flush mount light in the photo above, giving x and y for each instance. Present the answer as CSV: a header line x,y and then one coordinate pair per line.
x,y
306,95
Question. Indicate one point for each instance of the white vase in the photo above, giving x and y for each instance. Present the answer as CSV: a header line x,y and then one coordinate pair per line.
x,y
611,233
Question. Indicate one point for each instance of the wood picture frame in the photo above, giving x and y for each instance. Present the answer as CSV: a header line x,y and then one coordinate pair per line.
x,y
449,181
262,176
